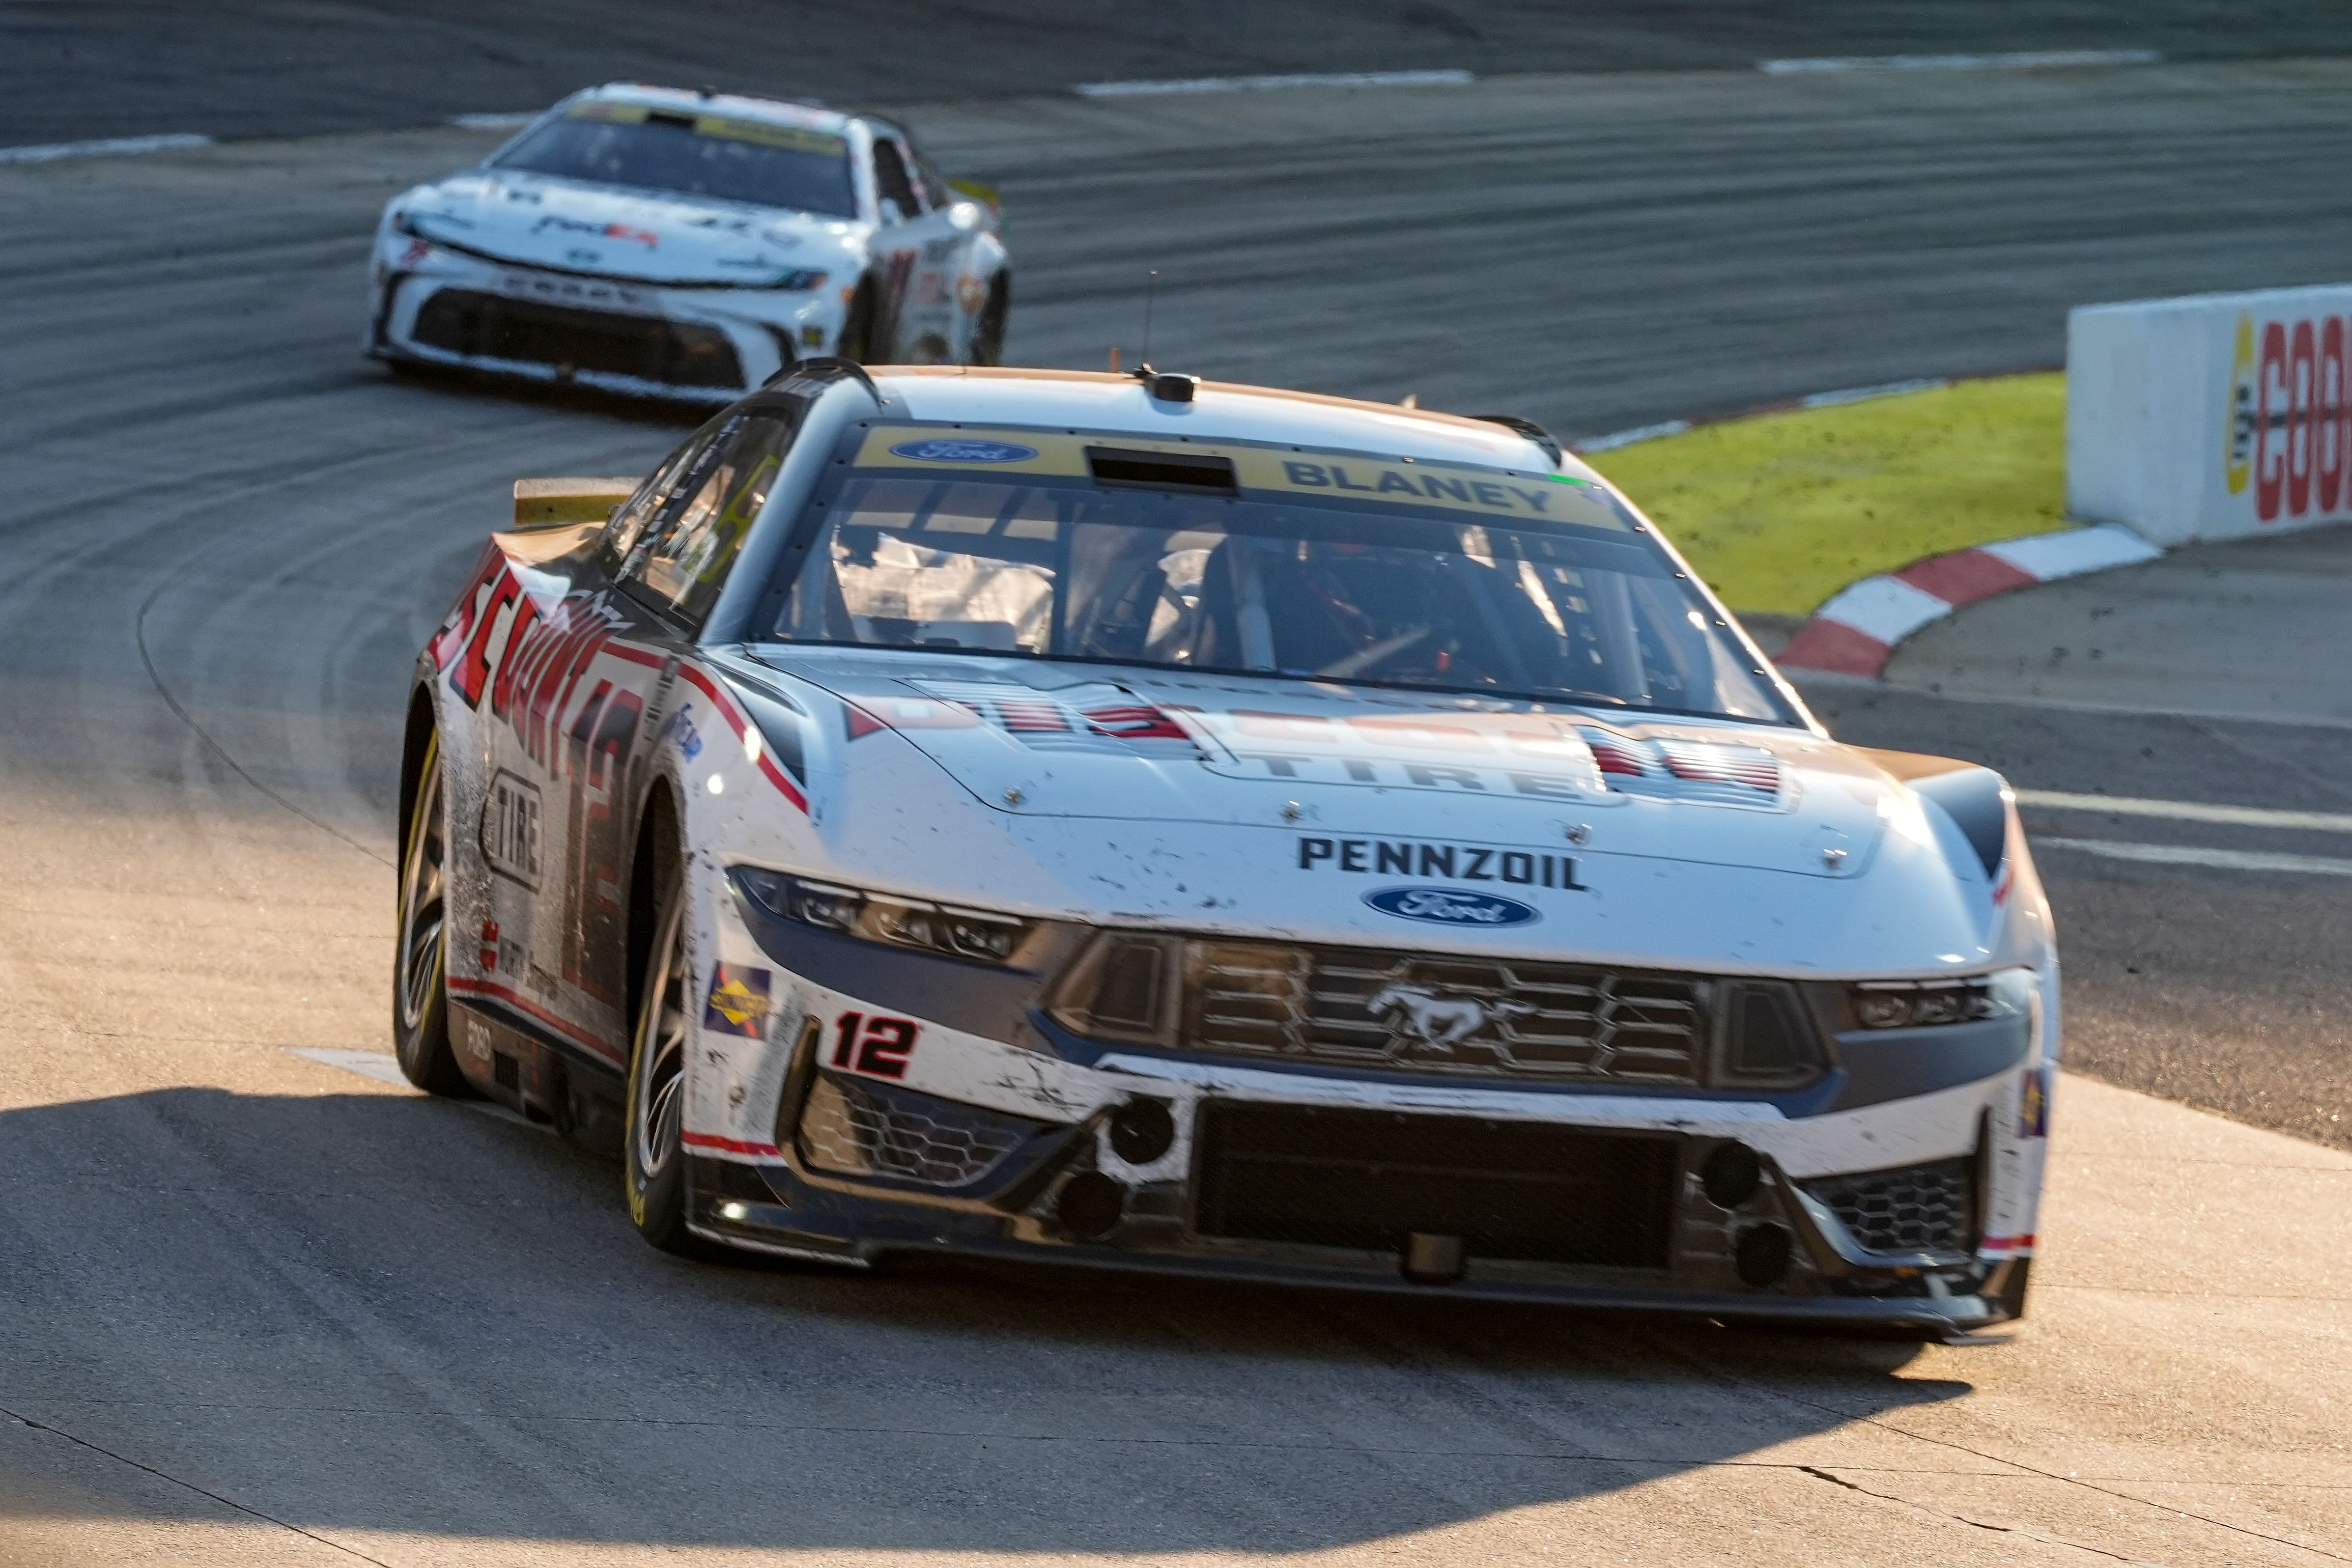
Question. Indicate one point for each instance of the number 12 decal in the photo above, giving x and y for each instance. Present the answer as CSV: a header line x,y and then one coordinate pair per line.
x,y
881,1049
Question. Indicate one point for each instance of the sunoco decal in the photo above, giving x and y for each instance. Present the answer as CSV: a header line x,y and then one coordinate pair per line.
x,y
738,1003
2290,421
2239,434
1449,906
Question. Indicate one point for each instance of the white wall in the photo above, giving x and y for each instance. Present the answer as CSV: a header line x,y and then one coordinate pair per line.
x,y
2215,416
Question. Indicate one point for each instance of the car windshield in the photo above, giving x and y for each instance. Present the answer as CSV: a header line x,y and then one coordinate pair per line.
x,y
1262,561
734,160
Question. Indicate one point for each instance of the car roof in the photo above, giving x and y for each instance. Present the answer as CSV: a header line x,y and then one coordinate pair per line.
x,y
1101,401
775,110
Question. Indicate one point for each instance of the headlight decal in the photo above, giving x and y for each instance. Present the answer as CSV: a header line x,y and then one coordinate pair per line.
x,y
961,933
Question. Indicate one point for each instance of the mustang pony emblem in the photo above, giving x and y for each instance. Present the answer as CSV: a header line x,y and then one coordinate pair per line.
x,y
1417,1017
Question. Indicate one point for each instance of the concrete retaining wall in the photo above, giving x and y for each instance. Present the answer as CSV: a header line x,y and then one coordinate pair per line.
x,y
2214,416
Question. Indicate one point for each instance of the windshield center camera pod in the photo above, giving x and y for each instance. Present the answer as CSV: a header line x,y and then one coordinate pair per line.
x,y
1166,386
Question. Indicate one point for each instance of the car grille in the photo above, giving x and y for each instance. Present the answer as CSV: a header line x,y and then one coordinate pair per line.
x,y
1326,1177
1488,1016
675,353
1919,1208
856,1127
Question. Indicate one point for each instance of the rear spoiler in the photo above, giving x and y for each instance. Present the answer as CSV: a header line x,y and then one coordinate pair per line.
x,y
568,502
986,195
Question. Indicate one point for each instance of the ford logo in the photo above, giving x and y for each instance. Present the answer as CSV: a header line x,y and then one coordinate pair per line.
x,y
946,449
1448,906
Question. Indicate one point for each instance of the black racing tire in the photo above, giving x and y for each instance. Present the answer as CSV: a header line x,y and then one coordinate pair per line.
x,y
420,976
856,343
653,1164
988,332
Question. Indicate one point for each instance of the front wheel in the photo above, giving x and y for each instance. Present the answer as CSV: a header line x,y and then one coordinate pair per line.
x,y
420,990
856,342
988,332
654,1169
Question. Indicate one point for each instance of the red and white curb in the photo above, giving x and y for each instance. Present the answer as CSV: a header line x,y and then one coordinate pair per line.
x,y
1855,632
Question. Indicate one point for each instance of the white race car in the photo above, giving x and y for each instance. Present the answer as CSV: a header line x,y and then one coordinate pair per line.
x,y
688,245
1127,821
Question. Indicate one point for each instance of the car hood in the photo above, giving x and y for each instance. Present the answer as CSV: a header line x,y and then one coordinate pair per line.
x,y
642,236
1062,741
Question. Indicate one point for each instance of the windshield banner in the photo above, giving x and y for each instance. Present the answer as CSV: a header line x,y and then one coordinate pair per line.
x,y
1279,470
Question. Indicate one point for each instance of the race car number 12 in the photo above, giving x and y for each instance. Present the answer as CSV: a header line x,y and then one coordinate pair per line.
x,y
878,1045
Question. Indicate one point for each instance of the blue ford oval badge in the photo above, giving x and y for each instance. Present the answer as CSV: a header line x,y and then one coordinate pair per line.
x,y
954,449
1451,907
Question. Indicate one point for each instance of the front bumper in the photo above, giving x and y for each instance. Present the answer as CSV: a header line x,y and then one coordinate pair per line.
x,y
909,1102
432,304
1663,1238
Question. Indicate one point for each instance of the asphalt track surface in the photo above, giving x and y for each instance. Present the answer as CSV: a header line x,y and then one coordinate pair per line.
x,y
83,68
260,1309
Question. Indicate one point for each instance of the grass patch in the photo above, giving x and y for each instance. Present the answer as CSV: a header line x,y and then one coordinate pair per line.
x,y
1781,511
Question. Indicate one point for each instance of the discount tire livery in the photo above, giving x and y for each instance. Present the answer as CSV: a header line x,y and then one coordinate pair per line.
x,y
1013,954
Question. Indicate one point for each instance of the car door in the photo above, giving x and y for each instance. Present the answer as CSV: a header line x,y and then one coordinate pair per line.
x,y
921,257
669,572
573,682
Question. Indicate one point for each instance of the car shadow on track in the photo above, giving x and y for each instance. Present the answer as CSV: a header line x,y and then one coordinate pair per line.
x,y
375,1311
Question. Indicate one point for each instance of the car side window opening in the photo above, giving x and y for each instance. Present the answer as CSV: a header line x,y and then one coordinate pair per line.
x,y
936,195
627,523
681,557
1401,597
891,180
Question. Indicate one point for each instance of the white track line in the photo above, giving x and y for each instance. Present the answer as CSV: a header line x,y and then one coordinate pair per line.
x,y
2186,855
1617,438
1865,394
113,146
1270,84
2189,812
1628,437
2032,59
373,1064
385,1069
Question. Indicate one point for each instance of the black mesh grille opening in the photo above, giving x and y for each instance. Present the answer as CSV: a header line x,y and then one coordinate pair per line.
x,y
676,353
1328,1178
857,1127
1919,1208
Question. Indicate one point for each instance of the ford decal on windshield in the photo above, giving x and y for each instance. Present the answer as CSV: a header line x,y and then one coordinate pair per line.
x,y
945,449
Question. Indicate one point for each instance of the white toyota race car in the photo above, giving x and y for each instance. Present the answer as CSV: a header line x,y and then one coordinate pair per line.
x,y
688,245
1128,821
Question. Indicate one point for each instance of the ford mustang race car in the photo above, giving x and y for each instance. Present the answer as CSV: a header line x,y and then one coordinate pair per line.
x,y
1130,821
688,245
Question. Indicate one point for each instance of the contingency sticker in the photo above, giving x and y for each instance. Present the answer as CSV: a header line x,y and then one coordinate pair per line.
x,y
2033,1105
738,1003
